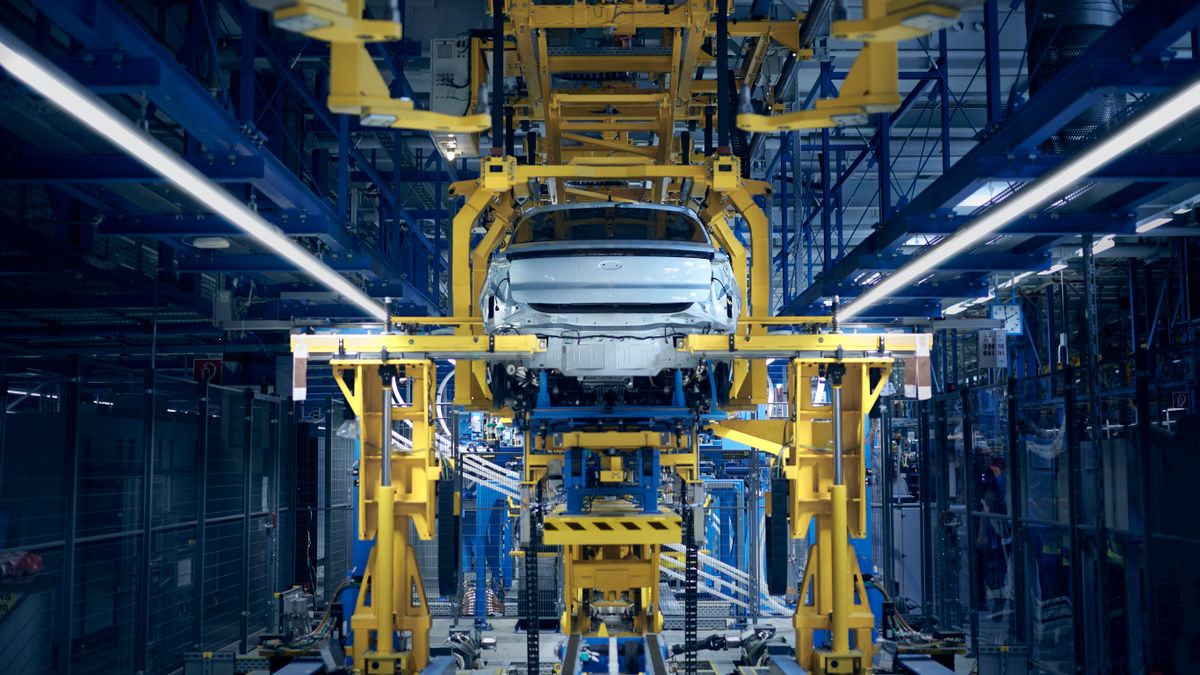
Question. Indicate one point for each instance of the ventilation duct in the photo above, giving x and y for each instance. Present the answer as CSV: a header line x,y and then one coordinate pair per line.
x,y
1059,31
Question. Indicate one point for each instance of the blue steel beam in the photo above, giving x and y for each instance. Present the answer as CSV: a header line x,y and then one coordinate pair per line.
x,y
962,286
292,223
102,26
263,263
980,262
112,73
1131,168
872,144
1140,38
1043,223
340,124
918,308
113,169
409,175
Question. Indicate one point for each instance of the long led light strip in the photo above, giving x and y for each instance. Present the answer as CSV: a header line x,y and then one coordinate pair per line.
x,y
1162,115
47,80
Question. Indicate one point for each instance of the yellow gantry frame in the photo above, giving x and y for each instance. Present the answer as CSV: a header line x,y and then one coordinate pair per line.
x,y
501,178
679,97
384,512
621,564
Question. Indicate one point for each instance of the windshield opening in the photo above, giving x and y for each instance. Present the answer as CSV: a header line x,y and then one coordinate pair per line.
x,y
609,222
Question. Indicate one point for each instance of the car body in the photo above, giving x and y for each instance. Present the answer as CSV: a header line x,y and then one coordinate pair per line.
x,y
610,268
610,287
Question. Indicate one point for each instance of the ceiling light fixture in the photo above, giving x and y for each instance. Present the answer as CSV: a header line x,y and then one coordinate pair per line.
x,y
1014,281
1056,267
210,243
1103,244
39,75
1166,112
1145,227
957,308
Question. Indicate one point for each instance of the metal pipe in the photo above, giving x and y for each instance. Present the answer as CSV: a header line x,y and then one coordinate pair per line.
x,y
382,593
385,449
840,540
840,534
817,18
835,393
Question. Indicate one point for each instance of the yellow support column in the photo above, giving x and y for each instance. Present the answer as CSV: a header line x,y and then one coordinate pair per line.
x,y
382,593
468,390
841,572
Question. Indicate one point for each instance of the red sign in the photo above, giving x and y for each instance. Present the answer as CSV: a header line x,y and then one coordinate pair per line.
x,y
1179,399
207,370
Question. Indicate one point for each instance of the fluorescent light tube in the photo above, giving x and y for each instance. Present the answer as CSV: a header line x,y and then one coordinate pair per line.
x,y
1170,110
1056,267
1014,281
1104,244
47,80
957,308
1142,228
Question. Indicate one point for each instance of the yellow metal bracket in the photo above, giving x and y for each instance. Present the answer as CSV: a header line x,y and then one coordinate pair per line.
x,y
872,85
356,85
904,20
498,174
330,21
725,173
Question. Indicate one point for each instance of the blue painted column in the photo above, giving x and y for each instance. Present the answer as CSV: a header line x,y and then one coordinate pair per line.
x,y
250,17
991,50
826,193
785,204
480,556
437,228
884,157
343,167
944,91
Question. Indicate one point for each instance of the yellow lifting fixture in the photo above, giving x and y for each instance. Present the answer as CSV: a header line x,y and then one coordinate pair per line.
x,y
356,86
872,85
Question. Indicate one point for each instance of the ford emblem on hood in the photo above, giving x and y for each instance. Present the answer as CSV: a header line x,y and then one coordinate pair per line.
x,y
610,265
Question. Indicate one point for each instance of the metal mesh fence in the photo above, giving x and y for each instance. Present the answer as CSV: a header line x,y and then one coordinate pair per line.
x,y
139,518
1046,522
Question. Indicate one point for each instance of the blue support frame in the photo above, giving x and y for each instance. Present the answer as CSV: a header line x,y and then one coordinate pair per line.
x,y
101,27
1131,56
